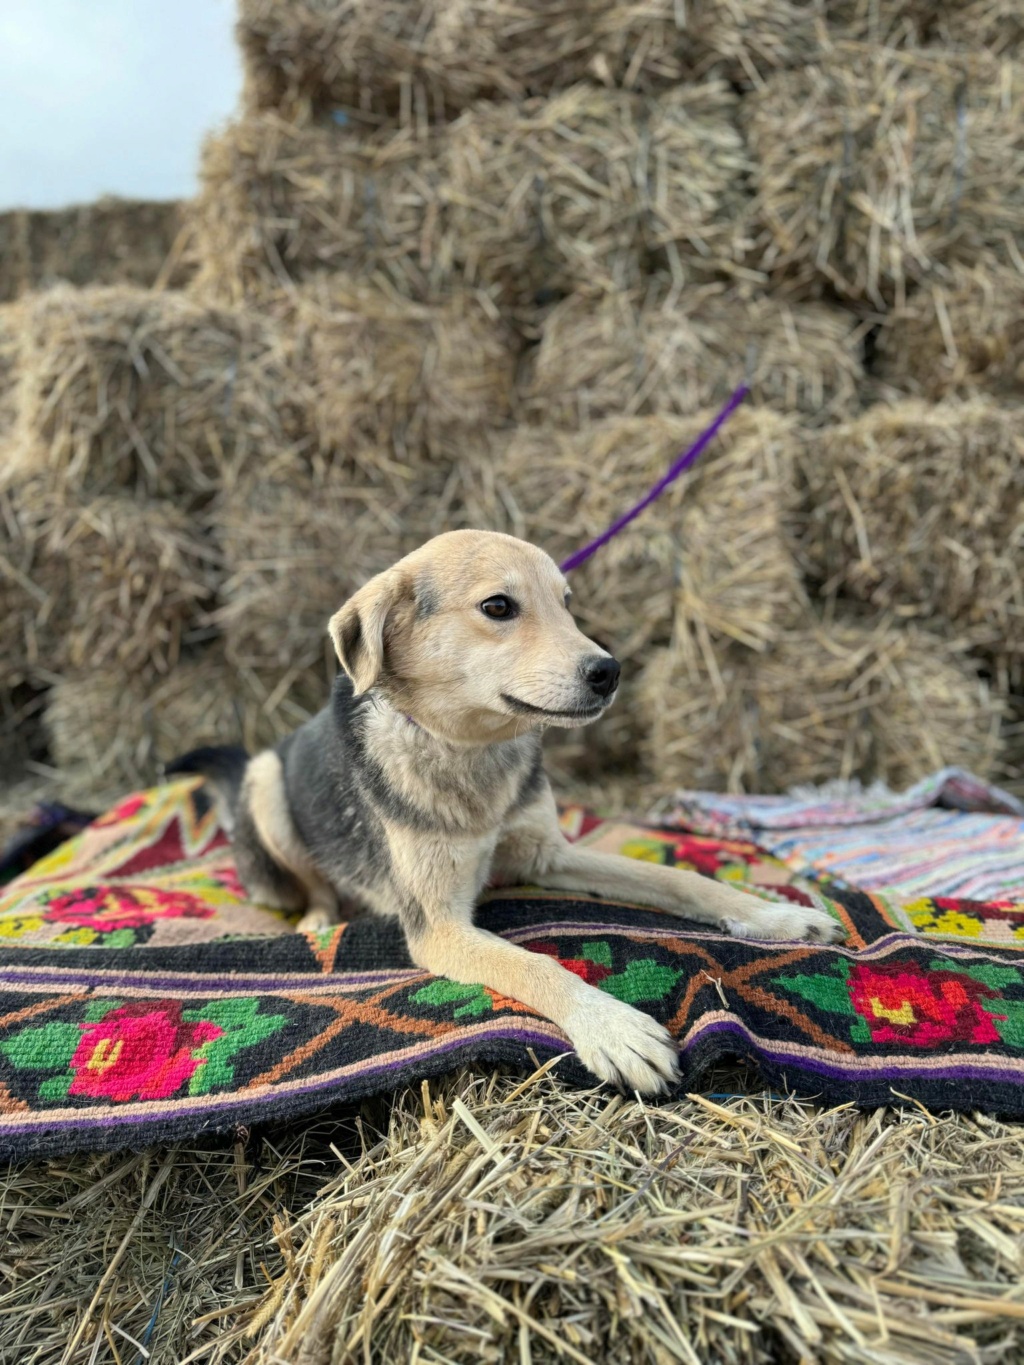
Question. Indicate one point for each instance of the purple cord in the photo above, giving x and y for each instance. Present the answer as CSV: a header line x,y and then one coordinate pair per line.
x,y
679,466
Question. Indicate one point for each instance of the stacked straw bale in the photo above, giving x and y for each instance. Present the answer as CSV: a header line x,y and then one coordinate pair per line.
x,y
429,60
920,508
119,728
667,198
876,165
592,187
633,356
125,389
113,241
394,380
526,199
961,332
280,203
109,580
884,701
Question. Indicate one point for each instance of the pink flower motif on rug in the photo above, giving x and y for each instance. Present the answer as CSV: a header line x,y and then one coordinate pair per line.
x,y
108,908
139,1052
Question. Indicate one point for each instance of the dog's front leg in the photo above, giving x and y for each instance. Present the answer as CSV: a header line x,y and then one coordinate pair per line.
x,y
437,895
535,850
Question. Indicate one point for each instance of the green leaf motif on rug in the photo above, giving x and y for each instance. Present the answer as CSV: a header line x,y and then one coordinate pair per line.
x,y
829,991
96,1010
1011,1027
990,974
643,979
57,1087
45,1047
445,992
242,1026
599,951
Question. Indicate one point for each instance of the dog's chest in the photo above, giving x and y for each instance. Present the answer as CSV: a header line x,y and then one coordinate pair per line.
x,y
461,792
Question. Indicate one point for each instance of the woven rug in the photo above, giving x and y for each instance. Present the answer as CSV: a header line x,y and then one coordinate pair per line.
x,y
952,834
142,998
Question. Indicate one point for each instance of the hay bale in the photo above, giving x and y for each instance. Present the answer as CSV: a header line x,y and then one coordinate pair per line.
x,y
110,580
430,60
957,334
711,546
880,702
111,241
279,204
394,57
294,550
594,1202
632,356
875,165
393,376
579,1191
592,187
920,508
117,727
124,388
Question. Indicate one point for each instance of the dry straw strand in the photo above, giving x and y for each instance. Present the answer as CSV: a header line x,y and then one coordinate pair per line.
x,y
111,241
295,550
997,25
490,1219
716,532
117,728
428,60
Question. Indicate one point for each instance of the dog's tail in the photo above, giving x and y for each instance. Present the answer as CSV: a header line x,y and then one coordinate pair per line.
x,y
223,766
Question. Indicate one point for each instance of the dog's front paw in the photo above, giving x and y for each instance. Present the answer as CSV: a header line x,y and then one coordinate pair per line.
x,y
628,1049
315,919
765,920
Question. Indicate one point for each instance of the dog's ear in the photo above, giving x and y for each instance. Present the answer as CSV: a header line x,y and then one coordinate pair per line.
x,y
358,628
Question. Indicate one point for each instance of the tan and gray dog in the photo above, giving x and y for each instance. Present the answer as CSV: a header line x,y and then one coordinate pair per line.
x,y
421,782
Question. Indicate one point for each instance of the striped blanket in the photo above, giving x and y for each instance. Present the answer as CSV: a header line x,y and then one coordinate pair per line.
x,y
951,834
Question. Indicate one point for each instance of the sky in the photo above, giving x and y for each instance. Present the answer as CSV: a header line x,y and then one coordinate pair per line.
x,y
110,96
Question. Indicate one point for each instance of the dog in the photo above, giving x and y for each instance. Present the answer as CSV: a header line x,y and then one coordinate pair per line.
x,y
422,782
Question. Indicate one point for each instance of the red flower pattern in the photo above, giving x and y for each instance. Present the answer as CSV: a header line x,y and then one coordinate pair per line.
x,y
591,972
139,1052
904,1005
106,908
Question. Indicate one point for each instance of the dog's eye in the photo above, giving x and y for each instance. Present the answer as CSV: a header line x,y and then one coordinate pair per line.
x,y
499,608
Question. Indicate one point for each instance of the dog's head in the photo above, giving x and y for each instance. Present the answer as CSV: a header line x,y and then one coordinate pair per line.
x,y
472,637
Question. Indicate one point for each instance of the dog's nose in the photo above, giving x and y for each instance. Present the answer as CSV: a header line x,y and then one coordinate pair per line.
x,y
602,676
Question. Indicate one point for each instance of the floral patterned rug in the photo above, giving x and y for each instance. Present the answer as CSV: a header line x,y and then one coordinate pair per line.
x,y
143,999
